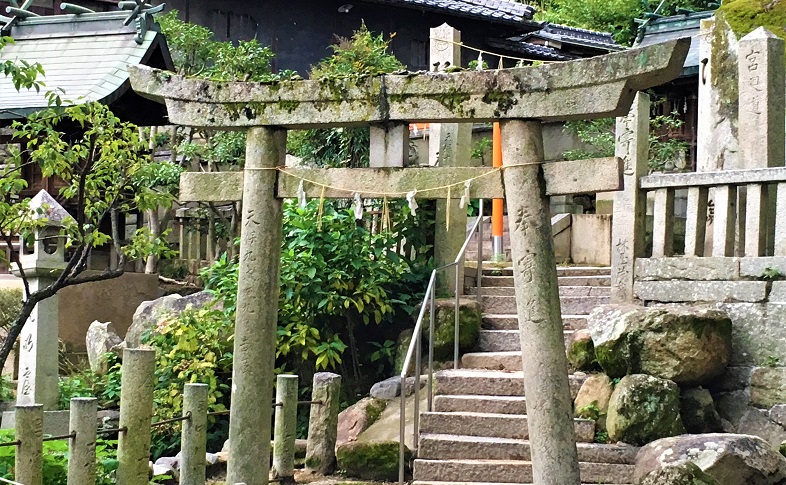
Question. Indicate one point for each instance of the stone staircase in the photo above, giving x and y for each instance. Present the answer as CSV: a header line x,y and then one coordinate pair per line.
x,y
477,432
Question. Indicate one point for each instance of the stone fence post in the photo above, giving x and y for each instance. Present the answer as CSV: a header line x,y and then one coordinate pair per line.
x,y
323,423
82,447
193,439
285,428
28,463
136,413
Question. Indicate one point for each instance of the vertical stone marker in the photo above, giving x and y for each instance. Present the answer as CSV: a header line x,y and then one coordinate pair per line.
x,y
257,310
627,228
549,404
323,423
449,146
762,132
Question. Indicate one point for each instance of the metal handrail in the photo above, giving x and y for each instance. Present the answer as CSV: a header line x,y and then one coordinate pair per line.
x,y
415,345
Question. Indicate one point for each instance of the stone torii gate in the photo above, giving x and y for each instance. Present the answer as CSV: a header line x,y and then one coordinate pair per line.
x,y
520,98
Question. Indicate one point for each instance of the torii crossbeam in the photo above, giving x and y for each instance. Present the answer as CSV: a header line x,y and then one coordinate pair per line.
x,y
521,98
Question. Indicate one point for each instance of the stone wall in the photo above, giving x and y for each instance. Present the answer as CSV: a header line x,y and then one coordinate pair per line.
x,y
751,395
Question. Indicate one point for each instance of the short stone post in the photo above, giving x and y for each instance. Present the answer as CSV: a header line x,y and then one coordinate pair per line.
x,y
323,423
257,309
82,447
627,226
549,404
193,438
136,413
285,428
29,459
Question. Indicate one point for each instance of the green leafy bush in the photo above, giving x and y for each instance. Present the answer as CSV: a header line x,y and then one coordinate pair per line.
x,y
10,306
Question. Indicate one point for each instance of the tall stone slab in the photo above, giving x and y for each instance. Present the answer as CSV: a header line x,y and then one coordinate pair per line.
x,y
38,366
717,146
627,228
257,309
449,146
549,403
762,131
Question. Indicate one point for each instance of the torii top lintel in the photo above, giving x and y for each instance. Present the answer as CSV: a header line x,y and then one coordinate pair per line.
x,y
602,86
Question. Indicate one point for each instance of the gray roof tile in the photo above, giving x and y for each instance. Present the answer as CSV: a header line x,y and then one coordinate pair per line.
x,y
504,11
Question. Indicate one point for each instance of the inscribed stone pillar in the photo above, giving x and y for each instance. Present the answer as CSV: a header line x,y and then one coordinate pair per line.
x,y
627,227
762,133
449,146
38,366
549,404
257,309
717,147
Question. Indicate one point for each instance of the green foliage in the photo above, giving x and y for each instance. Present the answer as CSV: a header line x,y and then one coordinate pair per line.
x,y
772,361
481,149
77,385
601,436
599,134
10,305
772,273
55,460
196,347
365,54
590,411
23,74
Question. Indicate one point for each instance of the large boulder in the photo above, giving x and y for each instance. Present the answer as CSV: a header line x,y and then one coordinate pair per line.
x,y
767,386
150,313
101,338
581,351
698,412
732,459
470,319
357,418
681,474
644,408
688,345
593,398
370,461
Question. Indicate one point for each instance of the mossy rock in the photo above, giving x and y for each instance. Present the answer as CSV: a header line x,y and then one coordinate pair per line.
x,y
782,448
371,461
644,408
687,473
402,346
470,319
745,16
581,351
698,413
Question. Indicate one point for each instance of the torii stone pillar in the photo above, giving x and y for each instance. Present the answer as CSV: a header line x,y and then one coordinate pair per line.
x,y
586,89
549,404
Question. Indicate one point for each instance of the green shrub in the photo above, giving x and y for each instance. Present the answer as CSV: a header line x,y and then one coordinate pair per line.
x,y
10,306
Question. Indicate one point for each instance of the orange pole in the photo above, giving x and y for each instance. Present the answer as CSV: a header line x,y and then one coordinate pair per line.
x,y
497,207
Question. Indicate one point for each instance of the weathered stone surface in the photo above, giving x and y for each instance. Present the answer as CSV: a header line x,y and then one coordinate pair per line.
x,y
357,418
101,338
470,320
778,414
370,461
756,422
596,390
151,313
323,423
778,292
734,378
698,413
685,344
581,351
701,291
701,269
644,408
756,267
768,386
757,332
732,406
681,474
596,87
732,459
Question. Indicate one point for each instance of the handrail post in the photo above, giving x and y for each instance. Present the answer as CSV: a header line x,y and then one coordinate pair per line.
x,y
418,371
402,427
456,325
432,316
479,271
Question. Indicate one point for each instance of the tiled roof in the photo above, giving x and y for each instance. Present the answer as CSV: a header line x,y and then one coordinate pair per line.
x,y
86,55
574,35
499,11
528,49
664,29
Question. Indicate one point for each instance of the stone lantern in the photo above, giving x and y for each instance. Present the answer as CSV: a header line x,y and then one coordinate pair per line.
x,y
38,352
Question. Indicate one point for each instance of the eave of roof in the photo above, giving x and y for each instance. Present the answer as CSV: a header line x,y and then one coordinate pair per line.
x,y
86,55
674,27
503,12
538,52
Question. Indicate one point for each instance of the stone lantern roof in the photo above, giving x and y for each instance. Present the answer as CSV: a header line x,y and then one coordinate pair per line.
x,y
53,212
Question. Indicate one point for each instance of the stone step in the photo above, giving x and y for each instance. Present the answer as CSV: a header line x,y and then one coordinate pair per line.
x,y
504,340
504,321
598,280
563,291
486,404
422,482
570,305
562,271
490,382
513,426
510,471
509,360
461,447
